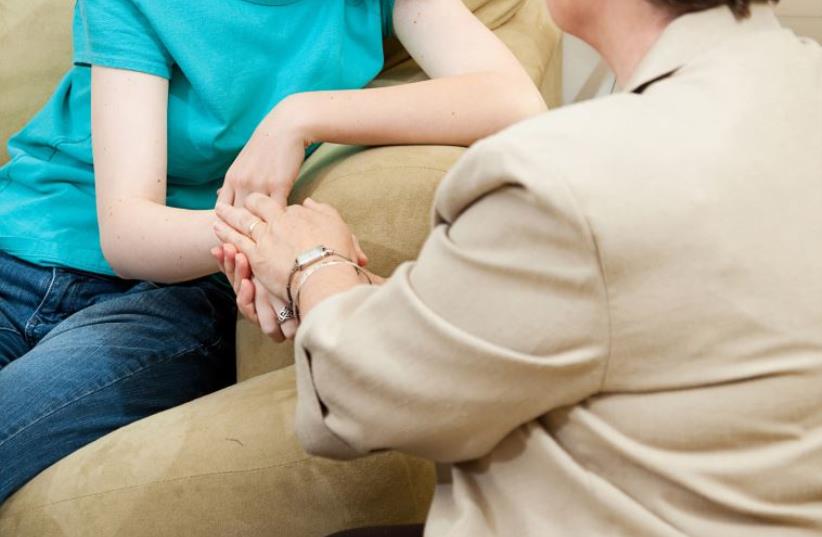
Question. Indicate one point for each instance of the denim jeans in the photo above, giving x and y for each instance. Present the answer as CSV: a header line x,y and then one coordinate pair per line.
x,y
82,355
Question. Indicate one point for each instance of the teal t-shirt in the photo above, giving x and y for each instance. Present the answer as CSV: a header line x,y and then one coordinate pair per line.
x,y
229,62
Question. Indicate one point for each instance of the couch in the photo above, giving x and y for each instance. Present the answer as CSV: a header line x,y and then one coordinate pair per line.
x,y
228,464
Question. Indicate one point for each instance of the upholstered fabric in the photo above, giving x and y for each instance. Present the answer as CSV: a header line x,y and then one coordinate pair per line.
x,y
35,52
228,464
225,465
524,25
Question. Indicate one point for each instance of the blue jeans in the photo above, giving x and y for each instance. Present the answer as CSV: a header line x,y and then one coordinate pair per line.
x,y
82,355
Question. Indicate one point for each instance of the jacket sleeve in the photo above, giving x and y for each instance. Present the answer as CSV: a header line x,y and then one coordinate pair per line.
x,y
502,318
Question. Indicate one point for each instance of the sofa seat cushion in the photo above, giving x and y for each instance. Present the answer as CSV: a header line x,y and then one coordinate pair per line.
x,y
227,464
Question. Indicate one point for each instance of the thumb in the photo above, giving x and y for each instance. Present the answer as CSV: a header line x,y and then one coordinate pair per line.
x,y
226,194
281,197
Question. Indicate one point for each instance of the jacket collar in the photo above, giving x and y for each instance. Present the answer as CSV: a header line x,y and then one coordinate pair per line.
x,y
690,35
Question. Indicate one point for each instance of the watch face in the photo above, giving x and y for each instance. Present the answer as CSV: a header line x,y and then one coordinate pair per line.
x,y
311,255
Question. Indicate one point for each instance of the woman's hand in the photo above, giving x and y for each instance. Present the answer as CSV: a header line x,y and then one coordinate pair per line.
x,y
270,161
272,237
254,301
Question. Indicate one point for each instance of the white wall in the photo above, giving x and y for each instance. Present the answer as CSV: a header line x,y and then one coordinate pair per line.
x,y
804,16
579,63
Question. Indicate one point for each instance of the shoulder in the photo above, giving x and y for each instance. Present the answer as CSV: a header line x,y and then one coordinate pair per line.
x,y
545,153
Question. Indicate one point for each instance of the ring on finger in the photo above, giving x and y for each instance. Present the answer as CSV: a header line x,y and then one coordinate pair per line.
x,y
251,228
286,314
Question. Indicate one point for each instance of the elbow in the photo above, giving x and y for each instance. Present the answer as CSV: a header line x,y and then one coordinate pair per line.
x,y
311,445
319,448
111,228
525,101
127,250
519,97
533,104
115,247
110,245
319,440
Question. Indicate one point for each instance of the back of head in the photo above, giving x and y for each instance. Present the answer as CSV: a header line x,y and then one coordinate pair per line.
x,y
741,8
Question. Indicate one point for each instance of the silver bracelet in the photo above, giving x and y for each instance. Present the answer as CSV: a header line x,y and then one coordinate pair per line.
x,y
319,266
305,260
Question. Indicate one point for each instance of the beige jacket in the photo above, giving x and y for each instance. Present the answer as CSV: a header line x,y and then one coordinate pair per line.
x,y
615,328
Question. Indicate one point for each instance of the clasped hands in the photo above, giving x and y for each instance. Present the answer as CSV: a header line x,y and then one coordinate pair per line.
x,y
260,243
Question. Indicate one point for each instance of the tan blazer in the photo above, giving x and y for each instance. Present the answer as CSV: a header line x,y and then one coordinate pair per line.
x,y
615,328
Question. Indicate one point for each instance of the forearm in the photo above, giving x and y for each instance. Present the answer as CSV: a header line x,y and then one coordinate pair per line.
x,y
145,240
456,110
330,281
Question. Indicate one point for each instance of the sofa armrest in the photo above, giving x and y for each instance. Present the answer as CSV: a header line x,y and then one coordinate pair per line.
x,y
385,194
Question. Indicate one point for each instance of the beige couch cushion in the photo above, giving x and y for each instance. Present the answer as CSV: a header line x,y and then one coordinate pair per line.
x,y
524,26
224,465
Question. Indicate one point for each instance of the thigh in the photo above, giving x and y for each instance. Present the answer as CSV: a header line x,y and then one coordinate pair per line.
x,y
12,345
108,365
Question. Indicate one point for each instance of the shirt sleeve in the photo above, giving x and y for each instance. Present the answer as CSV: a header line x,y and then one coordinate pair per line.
x,y
387,9
116,34
502,319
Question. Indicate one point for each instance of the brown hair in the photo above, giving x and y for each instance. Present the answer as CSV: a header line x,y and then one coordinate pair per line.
x,y
741,8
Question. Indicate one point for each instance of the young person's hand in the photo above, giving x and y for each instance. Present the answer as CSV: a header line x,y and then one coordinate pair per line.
x,y
270,161
254,302
272,237
236,268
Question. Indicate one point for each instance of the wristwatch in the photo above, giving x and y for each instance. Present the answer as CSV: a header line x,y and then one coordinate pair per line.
x,y
308,258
